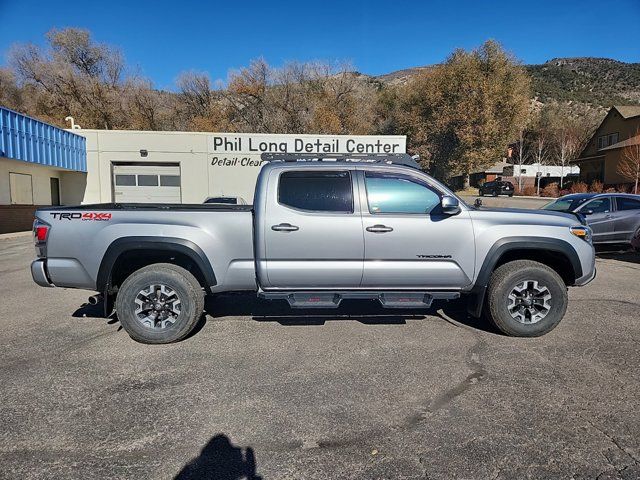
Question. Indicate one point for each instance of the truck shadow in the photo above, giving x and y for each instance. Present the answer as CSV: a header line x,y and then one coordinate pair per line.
x,y
368,312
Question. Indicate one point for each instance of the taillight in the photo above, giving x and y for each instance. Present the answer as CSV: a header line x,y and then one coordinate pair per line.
x,y
40,231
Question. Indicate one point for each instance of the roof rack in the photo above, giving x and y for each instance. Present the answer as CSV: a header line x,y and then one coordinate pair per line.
x,y
388,158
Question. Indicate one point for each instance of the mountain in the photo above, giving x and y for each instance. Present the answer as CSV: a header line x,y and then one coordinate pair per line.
x,y
593,82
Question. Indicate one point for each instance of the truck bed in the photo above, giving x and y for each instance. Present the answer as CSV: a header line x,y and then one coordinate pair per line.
x,y
81,236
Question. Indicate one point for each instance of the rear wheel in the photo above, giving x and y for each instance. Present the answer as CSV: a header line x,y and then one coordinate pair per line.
x,y
494,193
525,298
160,303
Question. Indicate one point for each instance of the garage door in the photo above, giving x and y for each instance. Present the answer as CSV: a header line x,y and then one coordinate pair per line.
x,y
146,184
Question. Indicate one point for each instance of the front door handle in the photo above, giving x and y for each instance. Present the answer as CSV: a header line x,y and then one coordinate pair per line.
x,y
284,227
379,229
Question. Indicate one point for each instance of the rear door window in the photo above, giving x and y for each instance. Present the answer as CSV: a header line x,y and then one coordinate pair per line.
x,y
316,191
627,203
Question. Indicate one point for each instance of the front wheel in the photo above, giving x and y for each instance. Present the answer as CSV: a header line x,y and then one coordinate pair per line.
x,y
525,298
160,303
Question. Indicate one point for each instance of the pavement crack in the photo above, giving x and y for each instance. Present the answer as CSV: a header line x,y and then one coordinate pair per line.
x,y
478,373
616,443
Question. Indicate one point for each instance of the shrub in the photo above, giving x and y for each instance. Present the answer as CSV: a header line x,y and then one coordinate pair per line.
x,y
550,190
610,190
579,187
564,192
596,187
623,188
529,191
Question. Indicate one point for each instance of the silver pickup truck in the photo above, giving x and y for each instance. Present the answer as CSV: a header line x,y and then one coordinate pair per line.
x,y
321,230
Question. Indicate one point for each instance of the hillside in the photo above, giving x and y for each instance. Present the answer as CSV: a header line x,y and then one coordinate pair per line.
x,y
594,82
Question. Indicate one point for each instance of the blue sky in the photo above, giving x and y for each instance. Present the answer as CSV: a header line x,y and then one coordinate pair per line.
x,y
160,38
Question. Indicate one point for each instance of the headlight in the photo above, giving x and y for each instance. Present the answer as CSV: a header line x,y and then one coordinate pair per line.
x,y
582,232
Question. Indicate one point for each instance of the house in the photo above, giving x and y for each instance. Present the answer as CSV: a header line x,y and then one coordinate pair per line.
x,y
600,158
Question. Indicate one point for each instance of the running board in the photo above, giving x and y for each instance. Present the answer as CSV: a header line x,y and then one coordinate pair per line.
x,y
301,299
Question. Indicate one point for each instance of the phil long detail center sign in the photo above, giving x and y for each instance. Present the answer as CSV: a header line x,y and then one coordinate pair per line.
x,y
226,144
234,158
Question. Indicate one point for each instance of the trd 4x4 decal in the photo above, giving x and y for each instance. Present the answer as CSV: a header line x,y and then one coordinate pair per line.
x,y
99,216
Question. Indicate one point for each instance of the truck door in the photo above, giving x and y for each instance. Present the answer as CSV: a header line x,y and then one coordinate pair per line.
x,y
408,243
312,230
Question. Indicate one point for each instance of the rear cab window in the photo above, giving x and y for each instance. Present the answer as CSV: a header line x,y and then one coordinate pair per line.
x,y
316,191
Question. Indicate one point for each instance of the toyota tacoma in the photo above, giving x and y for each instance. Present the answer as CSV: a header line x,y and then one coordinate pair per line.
x,y
320,230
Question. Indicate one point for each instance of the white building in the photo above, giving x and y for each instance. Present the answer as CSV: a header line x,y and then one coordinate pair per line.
x,y
538,169
185,167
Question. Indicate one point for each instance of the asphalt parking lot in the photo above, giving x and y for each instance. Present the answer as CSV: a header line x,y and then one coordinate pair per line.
x,y
260,391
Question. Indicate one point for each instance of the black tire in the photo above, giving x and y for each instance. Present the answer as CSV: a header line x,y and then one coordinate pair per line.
x,y
184,285
494,194
511,195
506,278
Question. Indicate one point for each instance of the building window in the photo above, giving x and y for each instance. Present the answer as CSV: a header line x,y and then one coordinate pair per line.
x,y
169,180
126,180
607,140
147,180
21,189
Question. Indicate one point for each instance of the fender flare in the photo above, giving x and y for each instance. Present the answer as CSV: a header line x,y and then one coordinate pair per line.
x,y
507,244
168,244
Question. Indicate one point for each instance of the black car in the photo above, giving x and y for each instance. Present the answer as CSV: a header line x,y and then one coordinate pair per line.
x,y
495,188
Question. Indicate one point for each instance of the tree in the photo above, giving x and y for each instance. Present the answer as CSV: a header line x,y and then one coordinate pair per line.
x,y
540,154
74,76
629,165
462,114
568,131
521,153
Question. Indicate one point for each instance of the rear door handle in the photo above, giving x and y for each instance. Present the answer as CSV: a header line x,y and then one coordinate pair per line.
x,y
284,227
379,229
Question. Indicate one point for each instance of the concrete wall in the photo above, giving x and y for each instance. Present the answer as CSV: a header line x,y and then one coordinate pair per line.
x,y
211,164
15,218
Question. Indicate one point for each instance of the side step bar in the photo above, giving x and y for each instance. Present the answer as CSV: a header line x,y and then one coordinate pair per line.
x,y
301,299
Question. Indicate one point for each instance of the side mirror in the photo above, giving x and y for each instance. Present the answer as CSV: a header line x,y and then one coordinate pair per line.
x,y
587,212
477,203
450,205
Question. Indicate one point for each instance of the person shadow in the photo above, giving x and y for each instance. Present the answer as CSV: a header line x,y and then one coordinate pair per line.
x,y
219,459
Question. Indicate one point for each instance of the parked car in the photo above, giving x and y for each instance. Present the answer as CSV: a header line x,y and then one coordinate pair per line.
x,y
495,188
362,227
613,217
226,200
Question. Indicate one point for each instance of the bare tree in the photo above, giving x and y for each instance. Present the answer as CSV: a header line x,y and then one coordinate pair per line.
x,y
521,155
540,154
629,165
567,149
73,76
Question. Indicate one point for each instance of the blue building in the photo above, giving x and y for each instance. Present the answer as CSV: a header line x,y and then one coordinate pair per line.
x,y
39,165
